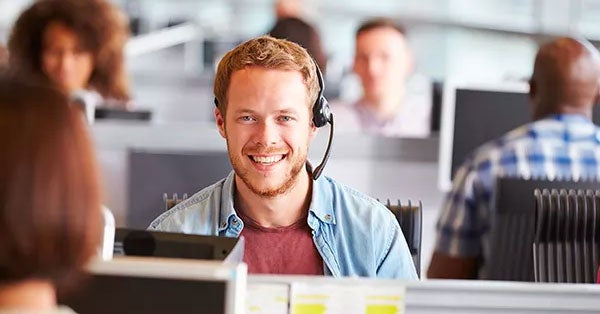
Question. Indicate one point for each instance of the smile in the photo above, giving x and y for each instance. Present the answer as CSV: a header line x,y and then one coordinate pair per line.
x,y
266,160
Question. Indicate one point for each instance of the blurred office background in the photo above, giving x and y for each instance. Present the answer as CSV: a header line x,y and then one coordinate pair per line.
x,y
176,44
488,40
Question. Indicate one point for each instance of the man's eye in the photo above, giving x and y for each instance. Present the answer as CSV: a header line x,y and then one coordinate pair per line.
x,y
246,118
285,118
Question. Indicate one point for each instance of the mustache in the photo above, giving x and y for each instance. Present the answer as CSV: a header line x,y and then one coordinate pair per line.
x,y
261,150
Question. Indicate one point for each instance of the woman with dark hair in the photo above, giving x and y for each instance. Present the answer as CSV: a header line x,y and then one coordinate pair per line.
x,y
50,211
78,45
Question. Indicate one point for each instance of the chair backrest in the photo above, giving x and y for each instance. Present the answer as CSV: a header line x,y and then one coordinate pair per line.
x,y
171,202
510,255
566,247
410,219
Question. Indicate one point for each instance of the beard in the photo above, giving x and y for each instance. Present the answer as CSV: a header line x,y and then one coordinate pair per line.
x,y
250,180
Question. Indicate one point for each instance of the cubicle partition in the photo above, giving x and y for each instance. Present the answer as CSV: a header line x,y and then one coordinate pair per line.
x,y
131,285
152,285
300,295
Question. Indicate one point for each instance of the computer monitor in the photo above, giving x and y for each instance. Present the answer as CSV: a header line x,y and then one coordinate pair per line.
x,y
156,286
176,245
475,114
121,114
181,172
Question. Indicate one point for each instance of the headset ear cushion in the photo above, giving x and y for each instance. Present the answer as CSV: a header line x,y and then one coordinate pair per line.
x,y
321,112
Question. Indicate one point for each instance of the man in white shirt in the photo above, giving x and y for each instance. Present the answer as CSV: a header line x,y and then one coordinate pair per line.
x,y
389,106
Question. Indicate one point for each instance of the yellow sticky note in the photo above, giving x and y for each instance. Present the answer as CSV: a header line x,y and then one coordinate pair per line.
x,y
382,309
309,308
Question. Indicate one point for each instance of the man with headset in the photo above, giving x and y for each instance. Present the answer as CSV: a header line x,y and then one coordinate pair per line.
x,y
269,97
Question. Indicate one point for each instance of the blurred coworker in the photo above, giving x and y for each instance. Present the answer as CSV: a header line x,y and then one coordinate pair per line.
x,y
288,8
562,142
76,44
292,222
296,30
50,210
390,105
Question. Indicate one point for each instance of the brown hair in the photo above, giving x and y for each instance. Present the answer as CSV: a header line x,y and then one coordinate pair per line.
x,y
101,28
380,22
50,211
3,56
270,53
302,33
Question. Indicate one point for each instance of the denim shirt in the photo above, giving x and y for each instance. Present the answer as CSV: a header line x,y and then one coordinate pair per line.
x,y
355,234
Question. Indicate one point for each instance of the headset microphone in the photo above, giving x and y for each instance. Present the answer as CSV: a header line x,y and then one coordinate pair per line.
x,y
321,116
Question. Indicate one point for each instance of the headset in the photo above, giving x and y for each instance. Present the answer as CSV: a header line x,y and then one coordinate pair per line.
x,y
321,116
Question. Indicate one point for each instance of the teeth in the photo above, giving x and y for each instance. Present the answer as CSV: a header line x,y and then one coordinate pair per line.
x,y
267,159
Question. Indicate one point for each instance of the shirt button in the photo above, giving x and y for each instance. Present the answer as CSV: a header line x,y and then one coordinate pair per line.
x,y
223,224
328,217
235,222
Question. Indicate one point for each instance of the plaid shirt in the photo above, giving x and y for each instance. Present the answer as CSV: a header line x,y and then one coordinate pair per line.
x,y
560,146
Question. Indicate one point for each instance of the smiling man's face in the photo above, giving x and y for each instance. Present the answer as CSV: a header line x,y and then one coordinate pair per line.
x,y
268,128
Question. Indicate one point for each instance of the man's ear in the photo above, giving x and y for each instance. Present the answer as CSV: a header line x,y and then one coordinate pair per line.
x,y
220,122
313,131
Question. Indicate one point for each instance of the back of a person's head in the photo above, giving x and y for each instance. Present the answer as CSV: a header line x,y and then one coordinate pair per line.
x,y
100,27
302,33
50,211
565,77
380,22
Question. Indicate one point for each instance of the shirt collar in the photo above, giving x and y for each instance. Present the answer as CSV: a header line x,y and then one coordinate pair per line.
x,y
570,118
321,203
569,127
227,213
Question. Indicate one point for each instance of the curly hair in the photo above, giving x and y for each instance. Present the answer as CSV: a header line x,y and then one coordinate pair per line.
x,y
100,27
269,53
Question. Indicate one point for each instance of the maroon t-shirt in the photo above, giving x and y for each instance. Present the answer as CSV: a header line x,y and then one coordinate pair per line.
x,y
284,250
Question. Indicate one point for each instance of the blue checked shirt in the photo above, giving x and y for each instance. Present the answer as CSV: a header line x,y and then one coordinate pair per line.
x,y
558,147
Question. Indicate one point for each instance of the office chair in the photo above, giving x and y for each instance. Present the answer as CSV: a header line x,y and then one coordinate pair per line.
x,y
566,245
410,219
513,226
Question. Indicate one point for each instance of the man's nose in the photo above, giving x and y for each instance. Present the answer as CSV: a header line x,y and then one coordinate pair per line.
x,y
374,67
267,133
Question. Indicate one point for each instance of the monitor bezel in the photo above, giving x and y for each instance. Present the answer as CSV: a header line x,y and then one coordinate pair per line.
x,y
447,121
234,275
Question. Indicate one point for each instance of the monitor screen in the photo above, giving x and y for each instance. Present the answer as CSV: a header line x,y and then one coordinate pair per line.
x,y
174,245
159,286
474,115
170,172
